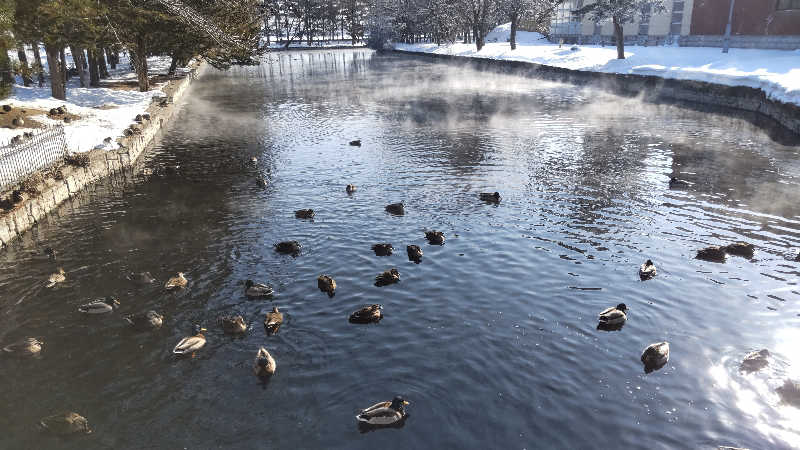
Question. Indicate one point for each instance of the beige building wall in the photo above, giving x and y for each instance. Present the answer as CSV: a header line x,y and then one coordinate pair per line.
x,y
660,24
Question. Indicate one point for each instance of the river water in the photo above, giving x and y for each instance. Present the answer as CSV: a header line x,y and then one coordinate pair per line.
x,y
492,338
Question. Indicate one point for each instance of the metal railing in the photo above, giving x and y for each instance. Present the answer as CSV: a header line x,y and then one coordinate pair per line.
x,y
34,151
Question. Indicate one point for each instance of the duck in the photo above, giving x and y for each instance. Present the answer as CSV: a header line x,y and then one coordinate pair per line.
x,y
384,413
261,182
350,188
304,214
102,306
58,277
233,324
383,249
264,364
647,270
254,160
65,423
191,344
755,361
615,315
655,356
435,237
50,253
389,277
177,282
414,253
713,253
789,392
24,347
396,208
356,143
288,247
674,182
490,196
141,278
743,249
367,314
327,284
273,320
257,290
145,321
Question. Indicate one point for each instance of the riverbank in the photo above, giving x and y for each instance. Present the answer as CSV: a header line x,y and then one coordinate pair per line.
x,y
46,191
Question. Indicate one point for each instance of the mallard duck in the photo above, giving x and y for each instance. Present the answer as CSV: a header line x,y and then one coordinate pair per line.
x,y
273,320
676,183
58,277
177,282
490,196
790,393
647,270
264,365
233,324
383,249
367,314
288,247
141,278
65,423
327,284
713,253
356,143
50,253
384,413
102,306
396,208
414,253
304,214
261,182
25,347
614,316
655,356
257,290
435,237
191,344
350,188
145,321
755,361
742,249
388,277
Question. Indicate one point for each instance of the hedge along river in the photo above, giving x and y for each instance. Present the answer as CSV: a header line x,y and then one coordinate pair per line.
x,y
492,338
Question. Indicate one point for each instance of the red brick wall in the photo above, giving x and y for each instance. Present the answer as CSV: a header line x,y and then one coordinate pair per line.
x,y
750,17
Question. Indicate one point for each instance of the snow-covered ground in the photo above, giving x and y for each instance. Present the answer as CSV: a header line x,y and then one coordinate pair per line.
x,y
104,112
776,72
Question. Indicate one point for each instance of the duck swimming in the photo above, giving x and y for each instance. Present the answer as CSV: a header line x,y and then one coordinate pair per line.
x,y
713,253
327,284
264,364
389,277
191,344
755,361
257,290
273,321
350,188
288,247
396,208
25,347
65,423
742,249
414,253
384,413
356,143
261,182
233,324
367,314
676,183
490,196
614,316
383,249
647,270
435,237
176,282
145,321
58,277
655,356
103,306
304,214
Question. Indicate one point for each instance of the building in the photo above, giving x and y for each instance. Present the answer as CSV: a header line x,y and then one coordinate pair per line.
x,y
755,24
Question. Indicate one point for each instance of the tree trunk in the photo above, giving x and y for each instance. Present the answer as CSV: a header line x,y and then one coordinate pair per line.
x,y
113,58
94,74
24,69
57,86
478,36
173,65
37,65
6,75
64,71
141,64
620,39
514,20
101,62
80,59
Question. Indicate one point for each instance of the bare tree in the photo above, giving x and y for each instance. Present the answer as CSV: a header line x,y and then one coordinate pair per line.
x,y
620,12
536,11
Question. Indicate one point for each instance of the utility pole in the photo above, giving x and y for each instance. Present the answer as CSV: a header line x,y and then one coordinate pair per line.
x,y
727,40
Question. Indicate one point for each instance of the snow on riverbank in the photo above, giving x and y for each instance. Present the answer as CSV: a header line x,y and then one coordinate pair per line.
x,y
776,72
104,111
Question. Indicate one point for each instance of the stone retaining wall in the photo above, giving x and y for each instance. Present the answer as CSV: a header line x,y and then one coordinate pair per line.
x,y
649,86
102,163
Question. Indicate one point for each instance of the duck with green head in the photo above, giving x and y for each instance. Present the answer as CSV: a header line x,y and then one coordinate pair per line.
x,y
190,344
102,306
145,321
384,413
257,290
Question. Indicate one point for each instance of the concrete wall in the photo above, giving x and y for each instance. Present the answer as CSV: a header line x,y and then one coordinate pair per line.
x,y
102,163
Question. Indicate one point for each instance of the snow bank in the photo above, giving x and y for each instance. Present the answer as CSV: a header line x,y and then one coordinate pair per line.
x,y
776,72
104,111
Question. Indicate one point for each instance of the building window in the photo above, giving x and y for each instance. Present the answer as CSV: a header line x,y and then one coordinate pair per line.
x,y
788,4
